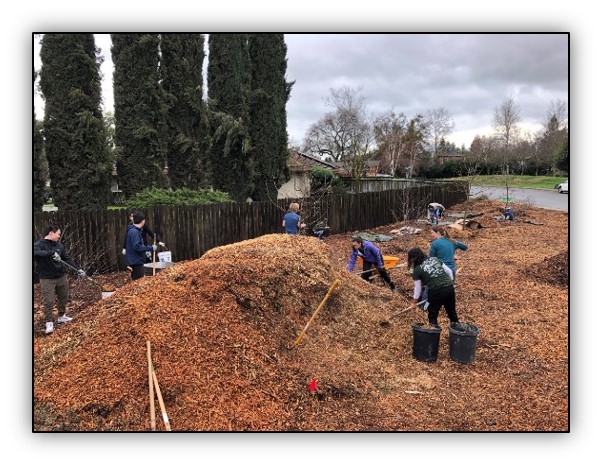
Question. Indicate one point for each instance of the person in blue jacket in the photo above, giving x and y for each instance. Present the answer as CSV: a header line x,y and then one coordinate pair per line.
x,y
445,248
146,232
292,220
135,249
371,256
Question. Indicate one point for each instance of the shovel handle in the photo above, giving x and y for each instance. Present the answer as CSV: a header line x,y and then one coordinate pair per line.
x,y
406,309
332,288
374,269
75,269
87,277
154,253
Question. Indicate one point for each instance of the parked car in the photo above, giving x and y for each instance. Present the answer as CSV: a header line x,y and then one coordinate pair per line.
x,y
563,187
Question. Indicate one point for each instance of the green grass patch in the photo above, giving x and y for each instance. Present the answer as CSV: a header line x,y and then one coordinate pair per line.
x,y
525,182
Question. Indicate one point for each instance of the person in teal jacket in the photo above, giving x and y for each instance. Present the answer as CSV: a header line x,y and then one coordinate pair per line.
x,y
444,248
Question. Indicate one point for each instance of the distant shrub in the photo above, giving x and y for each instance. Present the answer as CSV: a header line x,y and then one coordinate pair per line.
x,y
154,197
324,181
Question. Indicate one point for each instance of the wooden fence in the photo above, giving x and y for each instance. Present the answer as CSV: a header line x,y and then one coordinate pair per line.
x,y
95,238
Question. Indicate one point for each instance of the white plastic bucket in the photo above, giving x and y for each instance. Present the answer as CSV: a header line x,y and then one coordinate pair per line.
x,y
164,256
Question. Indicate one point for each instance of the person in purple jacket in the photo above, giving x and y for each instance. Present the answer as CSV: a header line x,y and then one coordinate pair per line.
x,y
371,256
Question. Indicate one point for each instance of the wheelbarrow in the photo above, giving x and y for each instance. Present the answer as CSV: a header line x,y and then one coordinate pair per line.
x,y
390,262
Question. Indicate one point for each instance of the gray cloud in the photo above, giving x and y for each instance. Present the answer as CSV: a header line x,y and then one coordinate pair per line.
x,y
468,74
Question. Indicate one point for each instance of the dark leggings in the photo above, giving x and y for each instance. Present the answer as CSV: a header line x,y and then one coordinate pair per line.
x,y
446,297
383,274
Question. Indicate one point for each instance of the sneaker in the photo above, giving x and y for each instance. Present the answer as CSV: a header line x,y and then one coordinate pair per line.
x,y
64,319
49,327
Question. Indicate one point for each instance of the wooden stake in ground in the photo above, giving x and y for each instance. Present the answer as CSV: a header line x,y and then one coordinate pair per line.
x,y
161,404
154,381
334,285
151,393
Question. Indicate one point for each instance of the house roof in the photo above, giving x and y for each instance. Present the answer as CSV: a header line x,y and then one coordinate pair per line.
x,y
303,162
300,162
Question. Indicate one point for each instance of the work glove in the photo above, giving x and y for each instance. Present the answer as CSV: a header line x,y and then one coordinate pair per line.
x,y
148,254
154,247
162,244
56,257
81,273
122,251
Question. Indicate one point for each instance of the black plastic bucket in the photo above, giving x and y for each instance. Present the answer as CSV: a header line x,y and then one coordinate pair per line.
x,y
426,342
462,342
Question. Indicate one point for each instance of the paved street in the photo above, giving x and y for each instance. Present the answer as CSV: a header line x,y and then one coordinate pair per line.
x,y
543,198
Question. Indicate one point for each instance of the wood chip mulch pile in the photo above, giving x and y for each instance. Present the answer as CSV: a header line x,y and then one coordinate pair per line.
x,y
222,331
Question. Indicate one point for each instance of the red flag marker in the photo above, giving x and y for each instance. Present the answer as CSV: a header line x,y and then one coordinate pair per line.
x,y
313,385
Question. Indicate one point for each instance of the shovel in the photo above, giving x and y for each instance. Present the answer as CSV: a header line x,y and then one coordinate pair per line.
x,y
105,293
336,283
154,253
387,323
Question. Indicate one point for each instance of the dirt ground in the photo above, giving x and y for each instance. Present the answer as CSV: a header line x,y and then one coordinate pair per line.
x,y
223,330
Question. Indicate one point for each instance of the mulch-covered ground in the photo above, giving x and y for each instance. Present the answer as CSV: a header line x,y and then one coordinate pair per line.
x,y
223,329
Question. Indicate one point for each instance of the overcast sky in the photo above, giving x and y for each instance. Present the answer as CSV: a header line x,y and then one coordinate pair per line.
x,y
467,74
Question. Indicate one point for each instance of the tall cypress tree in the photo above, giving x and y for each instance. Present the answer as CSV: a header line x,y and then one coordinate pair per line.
x,y
75,138
269,94
228,81
187,129
39,162
139,112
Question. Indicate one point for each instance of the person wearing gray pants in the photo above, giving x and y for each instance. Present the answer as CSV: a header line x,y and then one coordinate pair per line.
x,y
50,254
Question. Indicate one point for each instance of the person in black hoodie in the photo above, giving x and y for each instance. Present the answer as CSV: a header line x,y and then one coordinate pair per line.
x,y
50,254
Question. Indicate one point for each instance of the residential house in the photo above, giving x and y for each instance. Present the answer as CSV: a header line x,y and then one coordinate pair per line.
x,y
300,165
